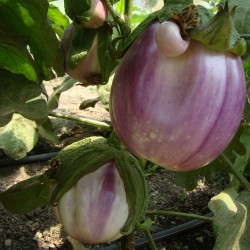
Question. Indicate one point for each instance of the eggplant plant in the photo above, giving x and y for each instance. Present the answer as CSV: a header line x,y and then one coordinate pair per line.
x,y
178,100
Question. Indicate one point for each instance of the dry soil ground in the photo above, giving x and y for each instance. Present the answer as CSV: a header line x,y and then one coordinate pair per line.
x,y
39,230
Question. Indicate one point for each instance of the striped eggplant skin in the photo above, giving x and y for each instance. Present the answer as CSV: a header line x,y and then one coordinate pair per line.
x,y
179,112
98,15
95,209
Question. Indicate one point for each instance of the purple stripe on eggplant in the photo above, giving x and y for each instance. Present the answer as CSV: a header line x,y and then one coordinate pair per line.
x,y
101,206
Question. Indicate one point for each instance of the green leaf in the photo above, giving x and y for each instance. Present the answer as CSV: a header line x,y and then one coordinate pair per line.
x,y
137,17
27,195
29,19
239,152
243,159
58,20
18,95
247,111
120,6
89,103
64,86
47,131
14,54
13,137
231,220
245,167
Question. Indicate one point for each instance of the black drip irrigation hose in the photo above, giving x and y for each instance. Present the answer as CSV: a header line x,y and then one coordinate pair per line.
x,y
163,235
141,242
28,159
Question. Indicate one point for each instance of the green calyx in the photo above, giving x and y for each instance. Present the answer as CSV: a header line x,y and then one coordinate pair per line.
x,y
219,32
77,10
86,156
80,45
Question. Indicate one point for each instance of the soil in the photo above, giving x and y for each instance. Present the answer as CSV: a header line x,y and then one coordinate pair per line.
x,y
39,229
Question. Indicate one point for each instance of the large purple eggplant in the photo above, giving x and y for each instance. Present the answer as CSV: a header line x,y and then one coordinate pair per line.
x,y
179,112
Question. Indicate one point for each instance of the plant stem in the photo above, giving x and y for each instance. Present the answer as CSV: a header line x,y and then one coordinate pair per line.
x,y
245,36
115,15
236,173
86,121
128,242
124,30
128,10
150,240
179,214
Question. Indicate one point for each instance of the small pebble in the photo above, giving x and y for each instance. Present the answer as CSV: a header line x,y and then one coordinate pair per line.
x,y
200,239
8,242
52,246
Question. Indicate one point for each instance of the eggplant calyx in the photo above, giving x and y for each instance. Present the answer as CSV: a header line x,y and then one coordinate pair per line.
x,y
188,18
88,155
219,32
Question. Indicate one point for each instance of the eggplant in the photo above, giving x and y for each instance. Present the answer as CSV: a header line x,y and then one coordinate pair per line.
x,y
179,112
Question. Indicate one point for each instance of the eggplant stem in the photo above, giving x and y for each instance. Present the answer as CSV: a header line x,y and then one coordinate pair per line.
x,y
151,241
128,242
124,27
128,10
179,214
245,36
86,121
115,15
